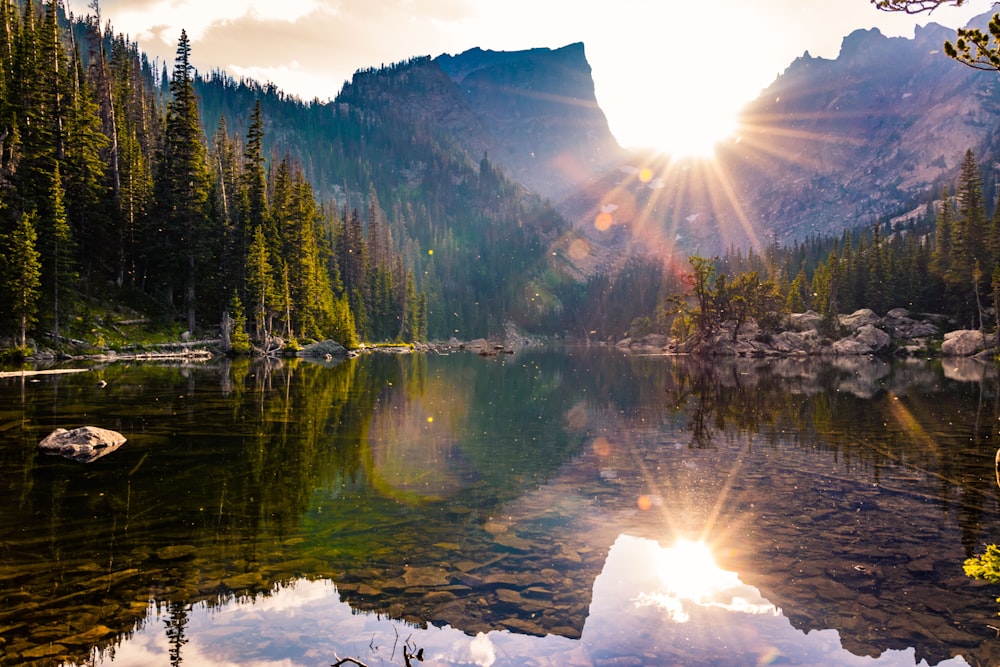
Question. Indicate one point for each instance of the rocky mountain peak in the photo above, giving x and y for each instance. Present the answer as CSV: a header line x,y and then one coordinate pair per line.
x,y
546,127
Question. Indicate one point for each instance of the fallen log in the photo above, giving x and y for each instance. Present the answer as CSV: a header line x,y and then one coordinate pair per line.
x,y
53,371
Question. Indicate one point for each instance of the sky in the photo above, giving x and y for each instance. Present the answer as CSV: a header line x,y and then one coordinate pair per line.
x,y
669,74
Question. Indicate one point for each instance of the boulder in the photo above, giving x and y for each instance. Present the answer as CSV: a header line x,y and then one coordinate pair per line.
x,y
903,326
858,319
868,339
876,339
807,321
84,444
322,350
964,343
794,342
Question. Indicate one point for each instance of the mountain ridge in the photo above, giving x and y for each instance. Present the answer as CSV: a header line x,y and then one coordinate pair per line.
x,y
542,112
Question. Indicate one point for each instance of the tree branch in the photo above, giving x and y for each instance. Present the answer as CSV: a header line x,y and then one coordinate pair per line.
x,y
913,6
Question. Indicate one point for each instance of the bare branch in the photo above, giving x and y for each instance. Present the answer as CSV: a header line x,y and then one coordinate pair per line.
x,y
348,661
913,6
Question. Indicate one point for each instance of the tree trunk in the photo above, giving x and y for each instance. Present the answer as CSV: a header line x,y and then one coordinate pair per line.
x,y
227,326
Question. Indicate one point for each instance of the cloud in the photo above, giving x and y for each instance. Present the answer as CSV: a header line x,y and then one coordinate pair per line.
x,y
308,47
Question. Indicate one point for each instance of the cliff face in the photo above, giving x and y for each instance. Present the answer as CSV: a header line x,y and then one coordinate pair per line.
x,y
545,126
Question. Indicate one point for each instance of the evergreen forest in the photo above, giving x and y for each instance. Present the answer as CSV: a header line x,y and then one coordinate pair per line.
x,y
944,257
128,190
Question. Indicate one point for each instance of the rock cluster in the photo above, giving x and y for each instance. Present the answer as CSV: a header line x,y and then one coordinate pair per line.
x,y
861,333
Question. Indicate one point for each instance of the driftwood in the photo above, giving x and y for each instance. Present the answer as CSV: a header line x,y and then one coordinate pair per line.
x,y
54,371
185,345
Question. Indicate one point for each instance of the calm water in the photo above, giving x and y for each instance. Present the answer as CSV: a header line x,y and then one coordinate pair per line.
x,y
570,507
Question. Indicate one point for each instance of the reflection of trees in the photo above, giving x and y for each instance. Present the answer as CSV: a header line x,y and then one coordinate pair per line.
x,y
918,419
176,622
717,398
209,477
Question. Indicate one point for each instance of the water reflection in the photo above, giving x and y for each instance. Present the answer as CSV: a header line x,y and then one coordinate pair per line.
x,y
690,576
642,613
520,509
414,450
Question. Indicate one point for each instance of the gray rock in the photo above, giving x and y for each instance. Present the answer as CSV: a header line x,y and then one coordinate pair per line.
x,y
807,321
902,325
877,340
964,343
84,444
326,348
794,342
859,318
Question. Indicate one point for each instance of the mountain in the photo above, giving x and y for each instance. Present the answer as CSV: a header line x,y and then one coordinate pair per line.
x,y
835,143
544,126
831,144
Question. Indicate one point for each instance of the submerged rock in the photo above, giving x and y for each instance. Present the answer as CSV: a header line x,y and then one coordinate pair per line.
x,y
84,444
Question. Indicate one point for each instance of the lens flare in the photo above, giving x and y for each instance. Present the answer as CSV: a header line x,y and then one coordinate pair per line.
x,y
579,249
603,221
602,447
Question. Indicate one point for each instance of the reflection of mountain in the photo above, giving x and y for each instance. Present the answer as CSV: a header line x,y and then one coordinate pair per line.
x,y
849,510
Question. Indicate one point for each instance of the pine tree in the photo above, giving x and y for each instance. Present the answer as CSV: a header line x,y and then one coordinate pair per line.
x,y
9,133
254,176
137,128
21,275
798,293
877,292
61,253
182,191
85,178
941,259
969,232
227,168
260,286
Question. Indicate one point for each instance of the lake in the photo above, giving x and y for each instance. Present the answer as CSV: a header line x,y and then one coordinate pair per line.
x,y
562,507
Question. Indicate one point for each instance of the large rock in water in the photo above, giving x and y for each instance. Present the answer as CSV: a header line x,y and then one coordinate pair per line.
x,y
85,444
323,349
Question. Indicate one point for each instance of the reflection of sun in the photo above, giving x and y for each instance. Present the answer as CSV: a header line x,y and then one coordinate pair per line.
x,y
689,569
691,579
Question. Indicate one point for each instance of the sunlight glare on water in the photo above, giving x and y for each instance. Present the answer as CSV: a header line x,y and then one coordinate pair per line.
x,y
690,576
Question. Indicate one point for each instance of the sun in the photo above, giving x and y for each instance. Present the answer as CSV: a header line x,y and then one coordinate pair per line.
x,y
681,131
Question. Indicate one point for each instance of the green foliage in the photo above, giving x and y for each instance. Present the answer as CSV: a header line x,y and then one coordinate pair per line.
x,y
20,276
972,47
239,339
123,189
986,566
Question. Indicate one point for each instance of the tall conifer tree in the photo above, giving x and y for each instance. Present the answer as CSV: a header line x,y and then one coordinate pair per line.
x,y
182,191
21,275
